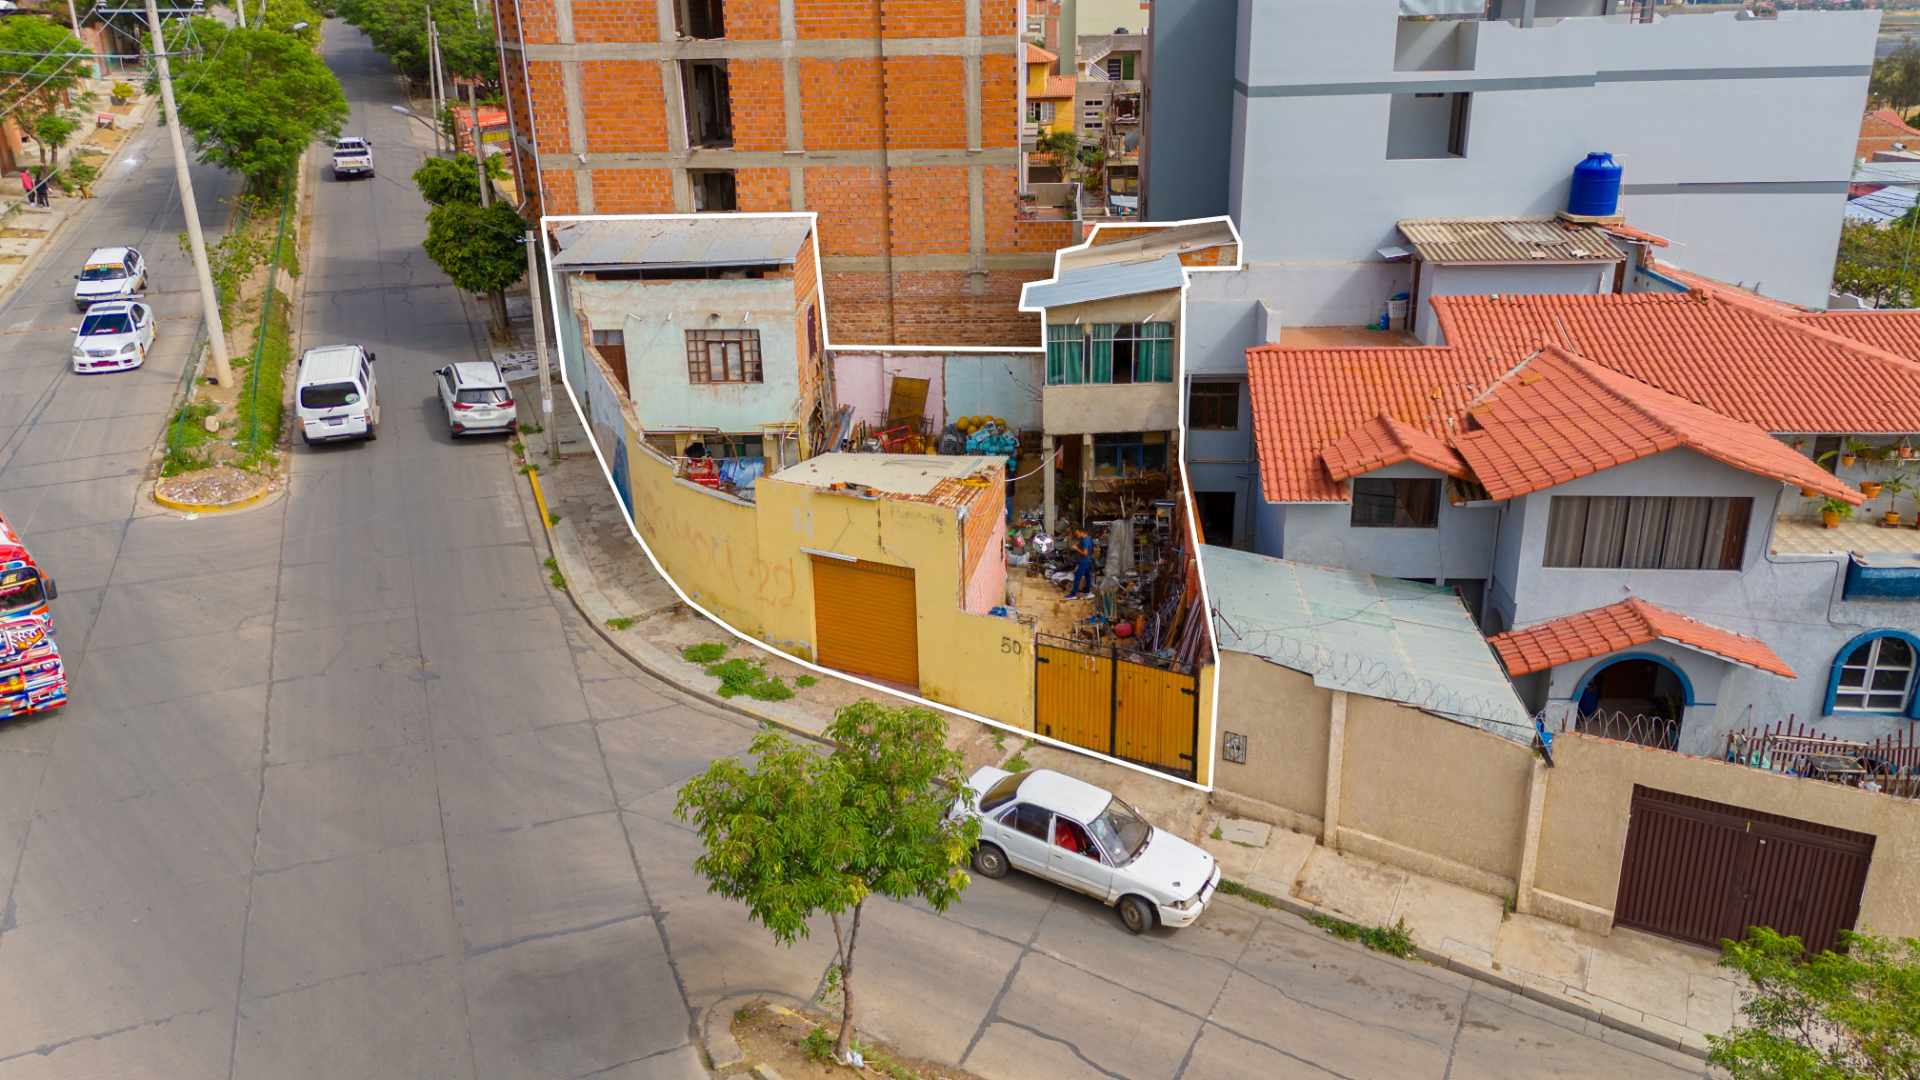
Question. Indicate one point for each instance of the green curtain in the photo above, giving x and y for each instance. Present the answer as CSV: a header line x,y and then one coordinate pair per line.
x,y
1063,355
1158,347
1103,335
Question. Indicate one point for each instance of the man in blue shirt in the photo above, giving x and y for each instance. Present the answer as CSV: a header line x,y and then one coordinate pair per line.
x,y
1082,567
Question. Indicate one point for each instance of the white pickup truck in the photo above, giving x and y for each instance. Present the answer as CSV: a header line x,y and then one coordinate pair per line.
x,y
352,156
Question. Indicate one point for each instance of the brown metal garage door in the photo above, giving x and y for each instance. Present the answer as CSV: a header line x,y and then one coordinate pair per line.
x,y
863,616
1702,871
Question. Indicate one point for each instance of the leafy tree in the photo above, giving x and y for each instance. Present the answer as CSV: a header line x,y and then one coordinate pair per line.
x,y
44,64
53,130
479,248
283,15
1896,78
446,180
398,28
1880,265
255,99
805,833
1851,1016
1061,147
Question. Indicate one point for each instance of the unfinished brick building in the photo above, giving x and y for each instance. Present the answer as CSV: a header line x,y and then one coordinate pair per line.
x,y
897,121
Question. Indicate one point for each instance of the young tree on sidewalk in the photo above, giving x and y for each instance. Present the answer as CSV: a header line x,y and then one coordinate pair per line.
x,y
479,247
1835,1016
805,833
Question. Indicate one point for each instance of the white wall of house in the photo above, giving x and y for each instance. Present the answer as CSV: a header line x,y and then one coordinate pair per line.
x,y
655,316
1323,533
1694,107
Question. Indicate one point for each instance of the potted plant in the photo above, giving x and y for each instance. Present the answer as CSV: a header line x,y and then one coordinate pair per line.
x,y
1833,511
1896,485
1905,450
1871,488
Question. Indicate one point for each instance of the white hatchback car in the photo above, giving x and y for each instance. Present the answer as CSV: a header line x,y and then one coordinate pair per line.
x,y
115,273
476,398
1074,834
113,337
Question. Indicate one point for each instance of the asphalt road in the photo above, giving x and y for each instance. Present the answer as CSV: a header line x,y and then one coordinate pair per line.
x,y
346,790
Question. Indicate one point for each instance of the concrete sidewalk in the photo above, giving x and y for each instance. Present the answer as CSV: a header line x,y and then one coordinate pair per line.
x,y
1661,990
1667,993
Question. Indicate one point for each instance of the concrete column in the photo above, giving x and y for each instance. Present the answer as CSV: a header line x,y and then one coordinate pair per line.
x,y
1046,483
675,103
1336,758
1086,472
1530,845
576,109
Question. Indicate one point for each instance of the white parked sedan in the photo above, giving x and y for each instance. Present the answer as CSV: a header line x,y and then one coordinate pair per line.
x,y
1072,833
116,273
113,337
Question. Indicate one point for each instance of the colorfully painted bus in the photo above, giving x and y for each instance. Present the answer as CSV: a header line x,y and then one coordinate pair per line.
x,y
31,677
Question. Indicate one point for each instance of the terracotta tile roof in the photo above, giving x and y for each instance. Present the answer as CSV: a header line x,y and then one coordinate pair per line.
x,y
1058,86
1732,294
1557,418
1038,55
1628,232
1880,129
1625,625
1775,373
1896,331
1486,241
1690,354
1304,399
1385,441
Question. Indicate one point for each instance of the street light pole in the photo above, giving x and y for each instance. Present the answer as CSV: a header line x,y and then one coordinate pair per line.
x,y
209,300
433,78
540,347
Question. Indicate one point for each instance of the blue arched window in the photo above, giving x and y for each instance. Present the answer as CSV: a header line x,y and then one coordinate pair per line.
x,y
1875,673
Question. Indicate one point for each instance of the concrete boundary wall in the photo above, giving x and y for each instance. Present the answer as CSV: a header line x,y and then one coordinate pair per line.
x,y
1448,801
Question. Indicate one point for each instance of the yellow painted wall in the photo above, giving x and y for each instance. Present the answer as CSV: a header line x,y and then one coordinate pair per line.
x,y
979,663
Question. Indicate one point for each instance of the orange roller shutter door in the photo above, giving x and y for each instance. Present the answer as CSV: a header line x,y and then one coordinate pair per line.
x,y
865,620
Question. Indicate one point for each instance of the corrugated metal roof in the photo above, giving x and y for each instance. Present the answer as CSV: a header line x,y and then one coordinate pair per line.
x,y
715,240
1377,637
1105,282
1484,241
1887,205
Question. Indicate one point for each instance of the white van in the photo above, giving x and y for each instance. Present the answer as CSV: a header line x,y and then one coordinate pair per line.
x,y
335,396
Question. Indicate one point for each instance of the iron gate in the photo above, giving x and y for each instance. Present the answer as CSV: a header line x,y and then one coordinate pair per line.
x,y
1702,871
1125,705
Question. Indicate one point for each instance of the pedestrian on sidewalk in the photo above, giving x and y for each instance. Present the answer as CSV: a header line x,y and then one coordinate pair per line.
x,y
26,183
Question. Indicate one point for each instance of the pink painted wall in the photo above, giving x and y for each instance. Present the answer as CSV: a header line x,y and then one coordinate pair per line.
x,y
864,381
988,586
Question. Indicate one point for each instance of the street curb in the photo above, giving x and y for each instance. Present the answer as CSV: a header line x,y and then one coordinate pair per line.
x,y
212,508
1295,906
33,260
570,570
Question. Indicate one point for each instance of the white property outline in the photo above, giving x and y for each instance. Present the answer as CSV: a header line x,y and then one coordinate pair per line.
x,y
812,219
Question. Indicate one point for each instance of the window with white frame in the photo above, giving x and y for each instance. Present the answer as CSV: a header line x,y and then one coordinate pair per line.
x,y
1876,677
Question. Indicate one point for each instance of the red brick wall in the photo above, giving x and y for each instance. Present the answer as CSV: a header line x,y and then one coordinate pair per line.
x,y
999,101
929,208
753,20
615,20
561,198
925,18
624,105
999,18
851,207
931,308
549,105
536,22
828,18
924,95
759,103
840,104
632,191
761,190
509,14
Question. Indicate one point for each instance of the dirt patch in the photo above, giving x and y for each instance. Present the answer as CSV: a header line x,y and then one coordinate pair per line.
x,y
222,485
775,1035
12,260
12,233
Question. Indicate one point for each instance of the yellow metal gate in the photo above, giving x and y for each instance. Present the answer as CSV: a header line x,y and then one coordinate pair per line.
x,y
864,619
1126,706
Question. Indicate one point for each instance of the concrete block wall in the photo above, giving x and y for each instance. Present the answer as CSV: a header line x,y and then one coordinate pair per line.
x,y
896,120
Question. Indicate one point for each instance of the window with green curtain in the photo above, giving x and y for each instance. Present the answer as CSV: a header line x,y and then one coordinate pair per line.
x,y
1103,336
1157,346
1064,346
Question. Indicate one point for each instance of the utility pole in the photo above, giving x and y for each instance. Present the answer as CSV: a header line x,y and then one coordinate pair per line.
x,y
240,13
540,347
436,75
479,158
209,300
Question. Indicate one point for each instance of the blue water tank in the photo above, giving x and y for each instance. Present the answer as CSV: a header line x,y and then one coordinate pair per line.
x,y
1596,187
